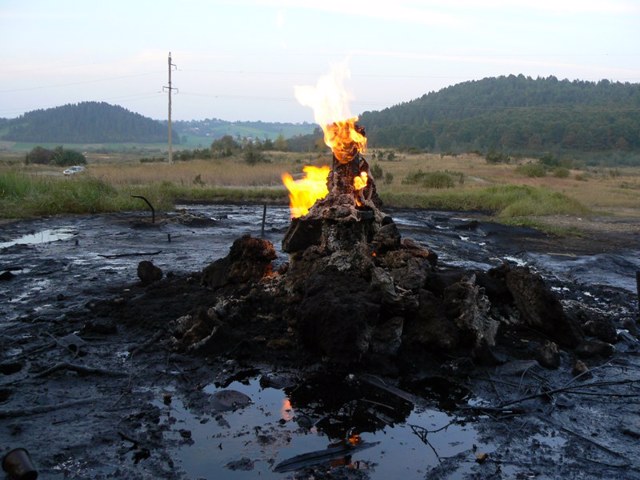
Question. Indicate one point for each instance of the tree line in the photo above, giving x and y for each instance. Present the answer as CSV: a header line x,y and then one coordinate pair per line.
x,y
85,122
513,113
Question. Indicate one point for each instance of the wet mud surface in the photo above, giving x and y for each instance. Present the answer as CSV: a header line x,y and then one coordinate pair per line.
x,y
91,387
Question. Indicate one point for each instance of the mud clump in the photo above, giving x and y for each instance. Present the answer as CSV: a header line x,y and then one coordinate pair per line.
x,y
148,272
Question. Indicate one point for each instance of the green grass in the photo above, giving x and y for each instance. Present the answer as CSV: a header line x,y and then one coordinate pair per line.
x,y
504,201
23,196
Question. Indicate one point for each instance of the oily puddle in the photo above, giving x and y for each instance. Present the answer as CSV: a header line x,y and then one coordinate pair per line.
x,y
43,236
264,429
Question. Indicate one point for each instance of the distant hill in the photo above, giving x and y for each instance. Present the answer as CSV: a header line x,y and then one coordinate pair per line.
x,y
99,122
85,122
513,114
215,128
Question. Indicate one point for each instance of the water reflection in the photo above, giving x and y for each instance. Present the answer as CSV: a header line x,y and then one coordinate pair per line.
x,y
312,422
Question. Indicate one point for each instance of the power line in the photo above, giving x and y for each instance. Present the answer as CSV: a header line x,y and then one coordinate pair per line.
x,y
71,84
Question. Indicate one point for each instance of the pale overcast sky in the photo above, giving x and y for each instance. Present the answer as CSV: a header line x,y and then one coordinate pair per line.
x,y
240,59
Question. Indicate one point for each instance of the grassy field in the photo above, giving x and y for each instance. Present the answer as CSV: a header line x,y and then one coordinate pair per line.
x,y
469,182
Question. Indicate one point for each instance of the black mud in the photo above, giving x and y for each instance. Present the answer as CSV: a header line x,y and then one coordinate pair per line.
x,y
91,387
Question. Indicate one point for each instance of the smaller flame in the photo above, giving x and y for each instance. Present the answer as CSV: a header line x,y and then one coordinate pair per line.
x,y
305,192
360,181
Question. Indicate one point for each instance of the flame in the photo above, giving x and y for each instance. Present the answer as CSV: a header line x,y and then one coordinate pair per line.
x,y
305,192
360,181
330,103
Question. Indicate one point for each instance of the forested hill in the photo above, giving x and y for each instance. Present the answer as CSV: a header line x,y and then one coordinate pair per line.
x,y
85,122
515,114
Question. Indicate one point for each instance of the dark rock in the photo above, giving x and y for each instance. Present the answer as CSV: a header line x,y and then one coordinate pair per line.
x,y
148,272
386,238
602,328
467,225
495,287
10,367
467,306
6,276
540,308
594,348
594,323
249,260
548,355
418,250
580,369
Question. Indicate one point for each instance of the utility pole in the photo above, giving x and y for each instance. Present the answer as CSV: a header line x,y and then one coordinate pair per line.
x,y
169,89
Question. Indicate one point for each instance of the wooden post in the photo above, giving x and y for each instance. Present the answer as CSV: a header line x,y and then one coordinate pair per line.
x,y
264,218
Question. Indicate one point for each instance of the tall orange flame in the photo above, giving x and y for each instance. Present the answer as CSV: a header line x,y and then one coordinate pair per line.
x,y
330,103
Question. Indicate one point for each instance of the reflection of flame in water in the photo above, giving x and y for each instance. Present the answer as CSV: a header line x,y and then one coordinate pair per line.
x,y
286,411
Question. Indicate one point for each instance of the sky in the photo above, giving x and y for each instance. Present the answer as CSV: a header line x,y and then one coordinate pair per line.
x,y
242,59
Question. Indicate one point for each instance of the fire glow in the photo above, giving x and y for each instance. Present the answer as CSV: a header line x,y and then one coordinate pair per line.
x,y
305,192
329,101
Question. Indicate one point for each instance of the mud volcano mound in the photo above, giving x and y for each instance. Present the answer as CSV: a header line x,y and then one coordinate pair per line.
x,y
355,292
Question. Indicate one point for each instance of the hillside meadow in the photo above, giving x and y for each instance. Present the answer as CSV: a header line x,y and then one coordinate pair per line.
x,y
511,193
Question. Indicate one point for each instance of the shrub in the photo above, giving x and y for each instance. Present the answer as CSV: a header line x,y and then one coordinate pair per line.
x,y
560,172
388,178
253,156
64,157
532,170
438,180
224,147
549,160
454,174
413,178
430,179
40,155
494,156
